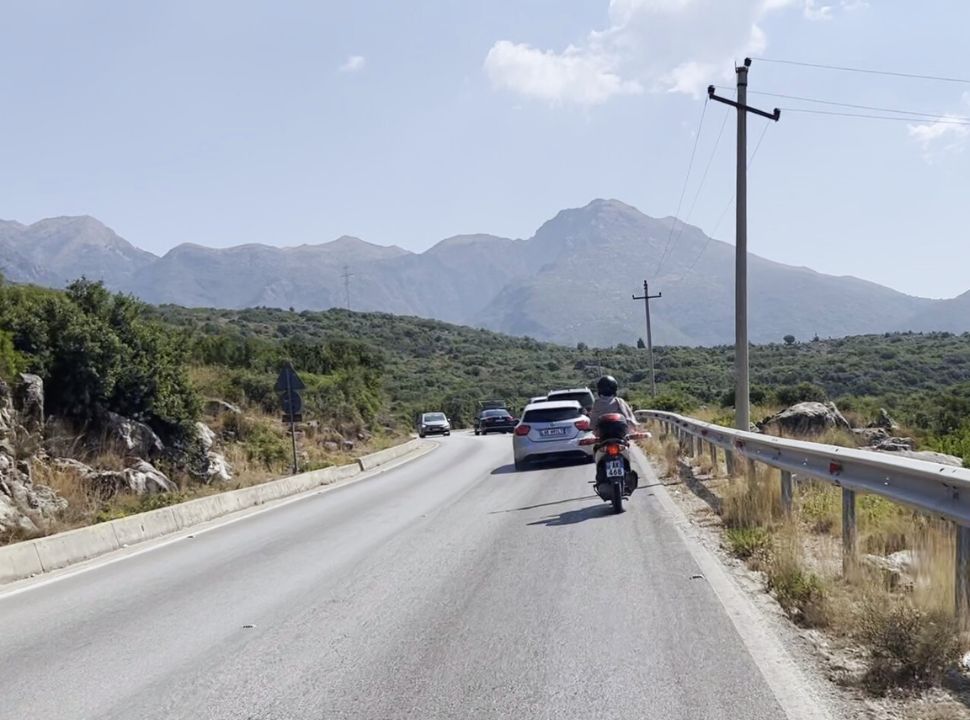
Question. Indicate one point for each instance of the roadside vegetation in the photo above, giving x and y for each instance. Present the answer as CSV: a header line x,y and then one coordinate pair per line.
x,y
890,616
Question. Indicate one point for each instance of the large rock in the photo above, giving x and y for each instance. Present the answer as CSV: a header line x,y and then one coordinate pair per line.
x,y
219,469
871,435
206,436
29,400
6,410
143,478
135,437
895,444
806,418
883,420
929,456
898,569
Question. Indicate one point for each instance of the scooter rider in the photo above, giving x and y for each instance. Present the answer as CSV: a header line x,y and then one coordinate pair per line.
x,y
608,402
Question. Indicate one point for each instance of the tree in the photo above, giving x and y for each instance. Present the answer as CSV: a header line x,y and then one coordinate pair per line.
x,y
582,347
789,339
640,344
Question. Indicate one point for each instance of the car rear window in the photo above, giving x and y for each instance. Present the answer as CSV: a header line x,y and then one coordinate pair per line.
x,y
584,398
553,414
495,413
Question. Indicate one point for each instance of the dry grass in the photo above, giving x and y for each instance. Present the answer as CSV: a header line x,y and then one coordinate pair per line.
x,y
908,628
258,449
753,500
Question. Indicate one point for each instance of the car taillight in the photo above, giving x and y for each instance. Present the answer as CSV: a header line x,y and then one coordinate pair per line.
x,y
612,449
522,430
582,425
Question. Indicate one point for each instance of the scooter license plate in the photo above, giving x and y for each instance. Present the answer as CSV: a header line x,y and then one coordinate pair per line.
x,y
614,468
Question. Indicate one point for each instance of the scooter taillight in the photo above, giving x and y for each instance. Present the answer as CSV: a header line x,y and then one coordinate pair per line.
x,y
612,449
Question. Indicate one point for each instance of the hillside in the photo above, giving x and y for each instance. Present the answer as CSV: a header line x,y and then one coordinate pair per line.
x,y
430,363
570,282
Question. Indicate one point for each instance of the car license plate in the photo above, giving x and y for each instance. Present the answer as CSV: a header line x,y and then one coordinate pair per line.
x,y
614,468
553,432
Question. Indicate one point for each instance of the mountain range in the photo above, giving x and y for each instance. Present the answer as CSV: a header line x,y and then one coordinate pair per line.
x,y
570,282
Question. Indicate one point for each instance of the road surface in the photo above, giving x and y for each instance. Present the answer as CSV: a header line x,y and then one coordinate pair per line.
x,y
448,587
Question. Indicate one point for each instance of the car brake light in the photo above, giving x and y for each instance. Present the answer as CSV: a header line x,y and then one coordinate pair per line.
x,y
522,430
582,425
612,449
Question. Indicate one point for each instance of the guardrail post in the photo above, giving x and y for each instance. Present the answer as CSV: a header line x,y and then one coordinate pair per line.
x,y
848,530
787,491
729,462
962,584
714,456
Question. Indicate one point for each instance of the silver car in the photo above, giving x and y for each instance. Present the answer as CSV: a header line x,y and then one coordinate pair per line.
x,y
551,430
432,423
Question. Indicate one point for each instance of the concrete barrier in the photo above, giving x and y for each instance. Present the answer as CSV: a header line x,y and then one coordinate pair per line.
x,y
369,462
63,549
19,560
145,526
33,557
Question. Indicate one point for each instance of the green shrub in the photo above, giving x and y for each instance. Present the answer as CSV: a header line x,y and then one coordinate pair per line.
x,y
803,392
747,542
908,647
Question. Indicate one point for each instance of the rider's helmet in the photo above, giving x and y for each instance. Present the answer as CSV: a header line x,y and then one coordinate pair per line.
x,y
606,386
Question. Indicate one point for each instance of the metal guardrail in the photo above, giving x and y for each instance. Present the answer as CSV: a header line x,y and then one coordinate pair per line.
x,y
938,490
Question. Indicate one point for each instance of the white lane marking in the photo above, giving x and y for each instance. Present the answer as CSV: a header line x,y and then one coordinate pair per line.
x,y
21,586
783,676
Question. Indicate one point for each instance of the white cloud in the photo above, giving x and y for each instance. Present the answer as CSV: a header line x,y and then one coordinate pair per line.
x,y
571,76
352,64
658,45
943,136
816,11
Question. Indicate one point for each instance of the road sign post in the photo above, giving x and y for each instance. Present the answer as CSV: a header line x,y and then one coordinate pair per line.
x,y
289,384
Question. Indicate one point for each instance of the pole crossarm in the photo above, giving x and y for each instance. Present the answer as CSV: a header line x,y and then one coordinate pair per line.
x,y
774,115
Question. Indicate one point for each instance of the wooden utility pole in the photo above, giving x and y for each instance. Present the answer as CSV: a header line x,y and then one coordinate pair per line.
x,y
742,387
647,297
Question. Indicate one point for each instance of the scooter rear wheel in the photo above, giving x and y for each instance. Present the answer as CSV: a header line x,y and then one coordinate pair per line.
x,y
617,498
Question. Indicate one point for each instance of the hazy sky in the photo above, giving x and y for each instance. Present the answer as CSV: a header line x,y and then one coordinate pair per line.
x,y
230,121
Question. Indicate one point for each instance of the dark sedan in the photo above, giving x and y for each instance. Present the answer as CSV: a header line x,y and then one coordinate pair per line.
x,y
495,420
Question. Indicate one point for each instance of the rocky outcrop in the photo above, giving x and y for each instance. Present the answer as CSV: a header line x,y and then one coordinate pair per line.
x,y
217,468
29,400
143,478
898,569
871,435
895,444
136,438
927,455
806,418
884,420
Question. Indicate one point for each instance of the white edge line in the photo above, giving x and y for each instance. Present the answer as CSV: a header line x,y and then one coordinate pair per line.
x,y
783,676
115,556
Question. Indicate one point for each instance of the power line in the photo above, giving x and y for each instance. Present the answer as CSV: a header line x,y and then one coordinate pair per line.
x,y
867,71
683,191
700,186
853,105
941,120
730,202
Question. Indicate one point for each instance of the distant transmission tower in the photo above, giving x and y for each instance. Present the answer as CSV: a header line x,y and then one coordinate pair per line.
x,y
346,276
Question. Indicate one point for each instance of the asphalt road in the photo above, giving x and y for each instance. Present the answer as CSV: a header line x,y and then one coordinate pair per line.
x,y
449,587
